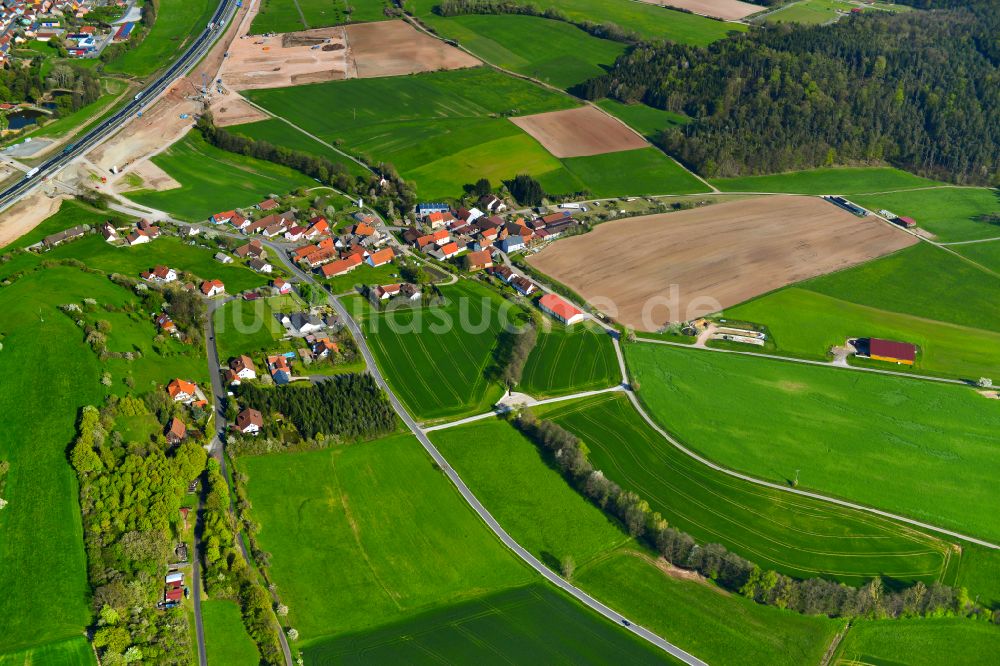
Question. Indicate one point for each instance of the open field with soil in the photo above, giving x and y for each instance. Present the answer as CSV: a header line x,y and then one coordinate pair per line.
x,y
947,212
913,447
365,534
226,639
177,23
796,536
579,132
649,21
712,257
206,172
727,10
539,509
412,51
919,642
841,180
568,360
555,52
532,624
437,359
807,324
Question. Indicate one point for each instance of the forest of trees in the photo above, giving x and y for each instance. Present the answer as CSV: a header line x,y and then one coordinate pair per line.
x,y
130,495
349,406
732,572
920,90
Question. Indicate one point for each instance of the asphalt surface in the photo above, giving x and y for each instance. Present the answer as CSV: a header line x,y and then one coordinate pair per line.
x,y
194,53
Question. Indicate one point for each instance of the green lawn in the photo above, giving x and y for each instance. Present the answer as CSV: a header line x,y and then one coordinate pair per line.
x,y
363,275
947,212
51,374
650,21
213,179
796,536
74,651
543,513
914,447
570,359
293,15
436,358
807,324
980,572
646,120
633,172
919,642
277,131
178,23
555,52
365,534
533,624
924,281
815,12
985,254
845,180
246,327
169,250
226,639
281,16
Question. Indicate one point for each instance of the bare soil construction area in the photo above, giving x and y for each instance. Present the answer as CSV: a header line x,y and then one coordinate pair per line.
x,y
579,132
651,270
396,48
727,10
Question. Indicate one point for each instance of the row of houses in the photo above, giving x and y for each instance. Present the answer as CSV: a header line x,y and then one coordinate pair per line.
x,y
142,232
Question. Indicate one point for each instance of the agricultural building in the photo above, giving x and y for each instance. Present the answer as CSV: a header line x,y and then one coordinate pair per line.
x,y
560,309
894,352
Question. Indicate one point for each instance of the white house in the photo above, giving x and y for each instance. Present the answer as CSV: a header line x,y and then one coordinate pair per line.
x,y
260,265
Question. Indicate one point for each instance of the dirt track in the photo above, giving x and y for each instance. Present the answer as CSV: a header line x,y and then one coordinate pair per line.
x,y
727,10
579,132
651,270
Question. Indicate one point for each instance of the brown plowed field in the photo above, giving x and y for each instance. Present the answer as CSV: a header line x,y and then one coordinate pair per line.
x,y
727,10
651,270
396,48
579,132
285,60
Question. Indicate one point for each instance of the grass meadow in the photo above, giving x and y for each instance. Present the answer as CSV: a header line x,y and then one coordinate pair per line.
x,y
294,15
369,533
439,369
570,359
806,324
980,573
278,132
246,327
646,120
74,651
177,23
212,179
985,254
796,536
532,624
226,639
914,447
640,172
838,180
649,21
815,12
555,52
919,642
947,212
545,515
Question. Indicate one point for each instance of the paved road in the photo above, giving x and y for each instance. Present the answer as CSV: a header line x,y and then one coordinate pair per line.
x,y
471,499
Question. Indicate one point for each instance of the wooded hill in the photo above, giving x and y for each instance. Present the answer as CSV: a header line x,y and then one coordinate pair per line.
x,y
920,90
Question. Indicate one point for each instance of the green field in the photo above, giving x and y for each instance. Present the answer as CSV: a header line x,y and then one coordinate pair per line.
x,y
923,281
362,275
246,327
169,250
985,254
533,624
796,536
814,12
364,534
649,21
844,180
279,132
178,23
443,130
646,120
436,358
545,515
980,572
947,212
293,15
213,180
226,639
919,642
50,374
570,359
807,324
914,447
71,652
555,52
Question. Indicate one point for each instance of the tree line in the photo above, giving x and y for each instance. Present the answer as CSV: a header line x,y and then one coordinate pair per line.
x,y
511,353
349,406
920,90
731,571
130,494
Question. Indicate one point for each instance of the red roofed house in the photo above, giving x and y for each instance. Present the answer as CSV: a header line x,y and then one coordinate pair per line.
x,y
249,421
363,229
907,222
385,292
446,251
323,347
560,309
177,431
335,268
243,368
213,288
438,237
437,220
165,323
318,226
894,352
523,285
181,390
282,286
267,204
381,258
477,261
223,217
174,594
159,274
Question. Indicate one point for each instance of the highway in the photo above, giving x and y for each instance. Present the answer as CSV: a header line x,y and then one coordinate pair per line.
x,y
195,52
